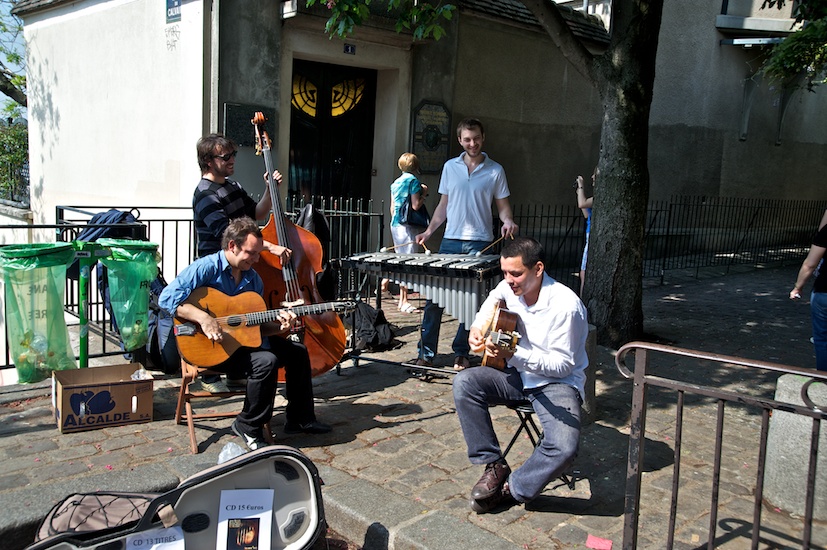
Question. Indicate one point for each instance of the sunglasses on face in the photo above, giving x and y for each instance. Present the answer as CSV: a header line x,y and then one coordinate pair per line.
x,y
226,157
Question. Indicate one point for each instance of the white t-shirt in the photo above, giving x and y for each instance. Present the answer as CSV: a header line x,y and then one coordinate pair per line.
x,y
469,216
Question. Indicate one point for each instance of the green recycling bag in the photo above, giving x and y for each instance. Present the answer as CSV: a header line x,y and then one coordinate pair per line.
x,y
34,276
132,266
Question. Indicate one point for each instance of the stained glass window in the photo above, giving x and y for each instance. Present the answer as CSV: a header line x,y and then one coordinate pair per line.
x,y
346,95
305,95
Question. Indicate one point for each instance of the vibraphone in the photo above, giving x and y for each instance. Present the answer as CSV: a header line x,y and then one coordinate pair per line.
x,y
457,282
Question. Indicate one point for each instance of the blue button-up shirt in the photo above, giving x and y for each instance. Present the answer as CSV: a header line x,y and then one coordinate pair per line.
x,y
212,271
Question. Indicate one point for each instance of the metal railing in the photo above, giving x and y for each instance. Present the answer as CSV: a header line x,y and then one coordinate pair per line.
x,y
687,233
694,233
352,226
679,392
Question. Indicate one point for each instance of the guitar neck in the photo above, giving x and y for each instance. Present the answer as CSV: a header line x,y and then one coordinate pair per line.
x,y
261,317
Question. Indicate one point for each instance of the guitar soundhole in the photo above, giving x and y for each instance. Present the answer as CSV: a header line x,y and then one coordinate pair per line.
x,y
235,320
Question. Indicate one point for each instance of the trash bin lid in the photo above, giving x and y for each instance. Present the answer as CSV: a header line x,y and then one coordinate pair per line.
x,y
127,243
20,257
127,249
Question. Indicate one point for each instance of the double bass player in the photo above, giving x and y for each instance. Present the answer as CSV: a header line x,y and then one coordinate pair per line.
x,y
216,201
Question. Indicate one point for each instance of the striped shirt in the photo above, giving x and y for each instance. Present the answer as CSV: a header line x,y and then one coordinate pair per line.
x,y
213,206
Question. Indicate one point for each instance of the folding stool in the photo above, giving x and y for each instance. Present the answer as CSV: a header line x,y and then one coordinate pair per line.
x,y
525,413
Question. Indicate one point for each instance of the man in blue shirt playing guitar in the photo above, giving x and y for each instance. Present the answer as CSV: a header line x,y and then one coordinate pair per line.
x,y
229,271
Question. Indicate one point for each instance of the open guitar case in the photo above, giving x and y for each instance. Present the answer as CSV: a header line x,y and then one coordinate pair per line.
x,y
108,521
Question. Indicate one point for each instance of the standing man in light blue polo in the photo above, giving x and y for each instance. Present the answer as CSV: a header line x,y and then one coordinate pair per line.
x,y
468,185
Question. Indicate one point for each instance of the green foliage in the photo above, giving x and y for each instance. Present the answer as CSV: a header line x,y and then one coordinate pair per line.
x,y
803,54
14,153
423,19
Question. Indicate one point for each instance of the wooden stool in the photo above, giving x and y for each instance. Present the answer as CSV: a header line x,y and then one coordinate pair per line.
x,y
184,411
525,412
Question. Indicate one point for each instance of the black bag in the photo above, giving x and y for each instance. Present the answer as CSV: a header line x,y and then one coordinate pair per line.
x,y
91,234
409,216
314,221
371,329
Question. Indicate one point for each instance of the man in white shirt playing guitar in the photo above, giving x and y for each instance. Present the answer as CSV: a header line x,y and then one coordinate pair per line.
x,y
546,366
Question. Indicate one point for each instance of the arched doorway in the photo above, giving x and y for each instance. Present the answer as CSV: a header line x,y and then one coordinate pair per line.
x,y
331,130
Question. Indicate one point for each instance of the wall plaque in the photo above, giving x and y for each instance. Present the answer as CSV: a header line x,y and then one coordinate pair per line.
x,y
431,136
238,124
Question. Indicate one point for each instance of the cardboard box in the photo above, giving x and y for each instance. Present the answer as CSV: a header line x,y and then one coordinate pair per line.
x,y
100,397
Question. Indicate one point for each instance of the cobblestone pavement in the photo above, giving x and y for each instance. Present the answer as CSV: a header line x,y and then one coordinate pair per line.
x,y
395,470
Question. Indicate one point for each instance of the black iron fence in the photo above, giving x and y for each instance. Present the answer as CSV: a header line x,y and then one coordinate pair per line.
x,y
692,233
687,233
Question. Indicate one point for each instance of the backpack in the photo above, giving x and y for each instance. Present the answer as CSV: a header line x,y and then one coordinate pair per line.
x,y
92,234
371,329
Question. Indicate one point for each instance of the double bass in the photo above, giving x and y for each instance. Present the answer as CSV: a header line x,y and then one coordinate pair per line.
x,y
293,283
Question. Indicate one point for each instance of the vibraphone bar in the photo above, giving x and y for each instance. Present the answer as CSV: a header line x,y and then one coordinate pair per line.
x,y
457,282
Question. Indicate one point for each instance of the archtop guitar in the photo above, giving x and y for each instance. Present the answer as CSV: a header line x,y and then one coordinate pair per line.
x,y
503,333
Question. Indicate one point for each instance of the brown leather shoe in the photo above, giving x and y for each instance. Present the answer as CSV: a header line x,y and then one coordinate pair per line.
x,y
492,480
502,498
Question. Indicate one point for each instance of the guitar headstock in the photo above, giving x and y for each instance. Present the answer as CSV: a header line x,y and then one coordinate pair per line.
x,y
262,139
344,306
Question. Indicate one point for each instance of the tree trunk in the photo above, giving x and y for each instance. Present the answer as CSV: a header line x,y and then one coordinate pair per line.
x,y
626,76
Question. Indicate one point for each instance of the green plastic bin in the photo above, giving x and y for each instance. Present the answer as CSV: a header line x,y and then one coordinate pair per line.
x,y
132,266
34,277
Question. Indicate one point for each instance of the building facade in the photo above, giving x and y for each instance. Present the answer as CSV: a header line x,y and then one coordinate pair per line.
x,y
120,90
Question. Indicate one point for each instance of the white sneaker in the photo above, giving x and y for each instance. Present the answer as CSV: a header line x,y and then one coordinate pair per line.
x,y
253,443
219,386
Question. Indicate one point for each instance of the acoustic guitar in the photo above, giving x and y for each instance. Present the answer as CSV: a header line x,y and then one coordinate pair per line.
x,y
502,330
240,318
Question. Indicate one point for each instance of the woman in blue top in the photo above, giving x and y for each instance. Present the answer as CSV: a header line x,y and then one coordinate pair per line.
x,y
403,235
585,206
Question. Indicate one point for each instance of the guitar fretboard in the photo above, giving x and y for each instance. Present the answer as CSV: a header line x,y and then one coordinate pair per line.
x,y
261,317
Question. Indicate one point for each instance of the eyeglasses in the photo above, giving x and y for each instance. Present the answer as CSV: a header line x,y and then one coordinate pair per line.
x,y
226,157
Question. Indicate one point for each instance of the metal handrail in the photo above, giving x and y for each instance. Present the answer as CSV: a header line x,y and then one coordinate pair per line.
x,y
634,468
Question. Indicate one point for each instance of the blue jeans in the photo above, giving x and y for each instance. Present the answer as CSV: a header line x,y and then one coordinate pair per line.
x,y
432,313
818,309
557,407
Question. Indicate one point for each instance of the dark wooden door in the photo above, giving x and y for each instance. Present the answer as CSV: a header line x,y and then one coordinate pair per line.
x,y
331,130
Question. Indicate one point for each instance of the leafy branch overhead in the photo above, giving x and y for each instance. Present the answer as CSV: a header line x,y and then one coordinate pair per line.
x,y
803,54
12,55
424,20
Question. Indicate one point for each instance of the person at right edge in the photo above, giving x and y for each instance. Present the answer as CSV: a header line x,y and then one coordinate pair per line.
x,y
468,185
547,368
814,263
